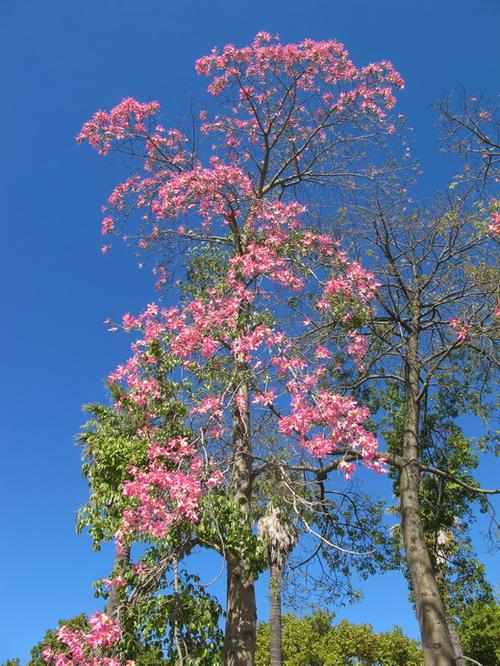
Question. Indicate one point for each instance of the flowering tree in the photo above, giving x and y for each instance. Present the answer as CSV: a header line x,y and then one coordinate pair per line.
x,y
275,305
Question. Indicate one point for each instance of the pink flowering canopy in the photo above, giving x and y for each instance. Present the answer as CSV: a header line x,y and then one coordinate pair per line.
x,y
287,371
262,336
289,114
287,108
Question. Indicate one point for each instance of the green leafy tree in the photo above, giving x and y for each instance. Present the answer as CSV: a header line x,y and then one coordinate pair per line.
x,y
111,444
316,641
447,507
479,632
149,637
163,610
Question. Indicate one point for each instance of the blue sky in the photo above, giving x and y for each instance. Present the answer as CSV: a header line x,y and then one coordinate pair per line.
x,y
62,60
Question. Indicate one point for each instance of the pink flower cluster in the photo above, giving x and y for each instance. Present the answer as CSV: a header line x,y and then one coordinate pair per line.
x,y
86,648
356,282
269,77
167,492
339,419
175,183
126,117
307,61
209,325
461,329
141,387
263,259
216,191
357,348
114,582
265,397
494,225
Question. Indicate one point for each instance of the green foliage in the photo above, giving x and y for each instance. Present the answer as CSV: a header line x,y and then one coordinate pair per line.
x,y
11,662
315,641
156,626
188,618
222,527
204,262
169,607
479,632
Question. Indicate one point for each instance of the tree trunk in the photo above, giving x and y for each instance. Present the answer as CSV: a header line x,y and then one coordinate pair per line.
x,y
275,614
241,616
177,638
436,642
457,645
241,610
121,562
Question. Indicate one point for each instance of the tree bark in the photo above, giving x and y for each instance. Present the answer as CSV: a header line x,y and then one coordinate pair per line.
x,y
121,562
436,641
275,615
457,645
241,610
177,638
241,616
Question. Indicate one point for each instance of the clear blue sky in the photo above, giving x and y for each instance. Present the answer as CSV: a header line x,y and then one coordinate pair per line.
x,y
62,60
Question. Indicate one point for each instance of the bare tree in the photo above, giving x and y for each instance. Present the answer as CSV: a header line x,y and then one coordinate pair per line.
x,y
434,322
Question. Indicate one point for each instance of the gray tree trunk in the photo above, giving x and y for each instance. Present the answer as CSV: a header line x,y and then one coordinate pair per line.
x,y
121,562
241,616
436,641
275,628
457,645
241,610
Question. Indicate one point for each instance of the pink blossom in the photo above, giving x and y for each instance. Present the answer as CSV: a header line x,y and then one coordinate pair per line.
x,y
494,225
322,352
461,328
86,648
117,124
357,348
265,397
108,224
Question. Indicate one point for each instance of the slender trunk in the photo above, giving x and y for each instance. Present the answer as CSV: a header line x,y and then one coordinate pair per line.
x,y
457,645
121,562
276,573
177,637
241,611
436,642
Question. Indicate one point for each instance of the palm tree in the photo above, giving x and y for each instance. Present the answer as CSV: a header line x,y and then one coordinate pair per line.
x,y
280,536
